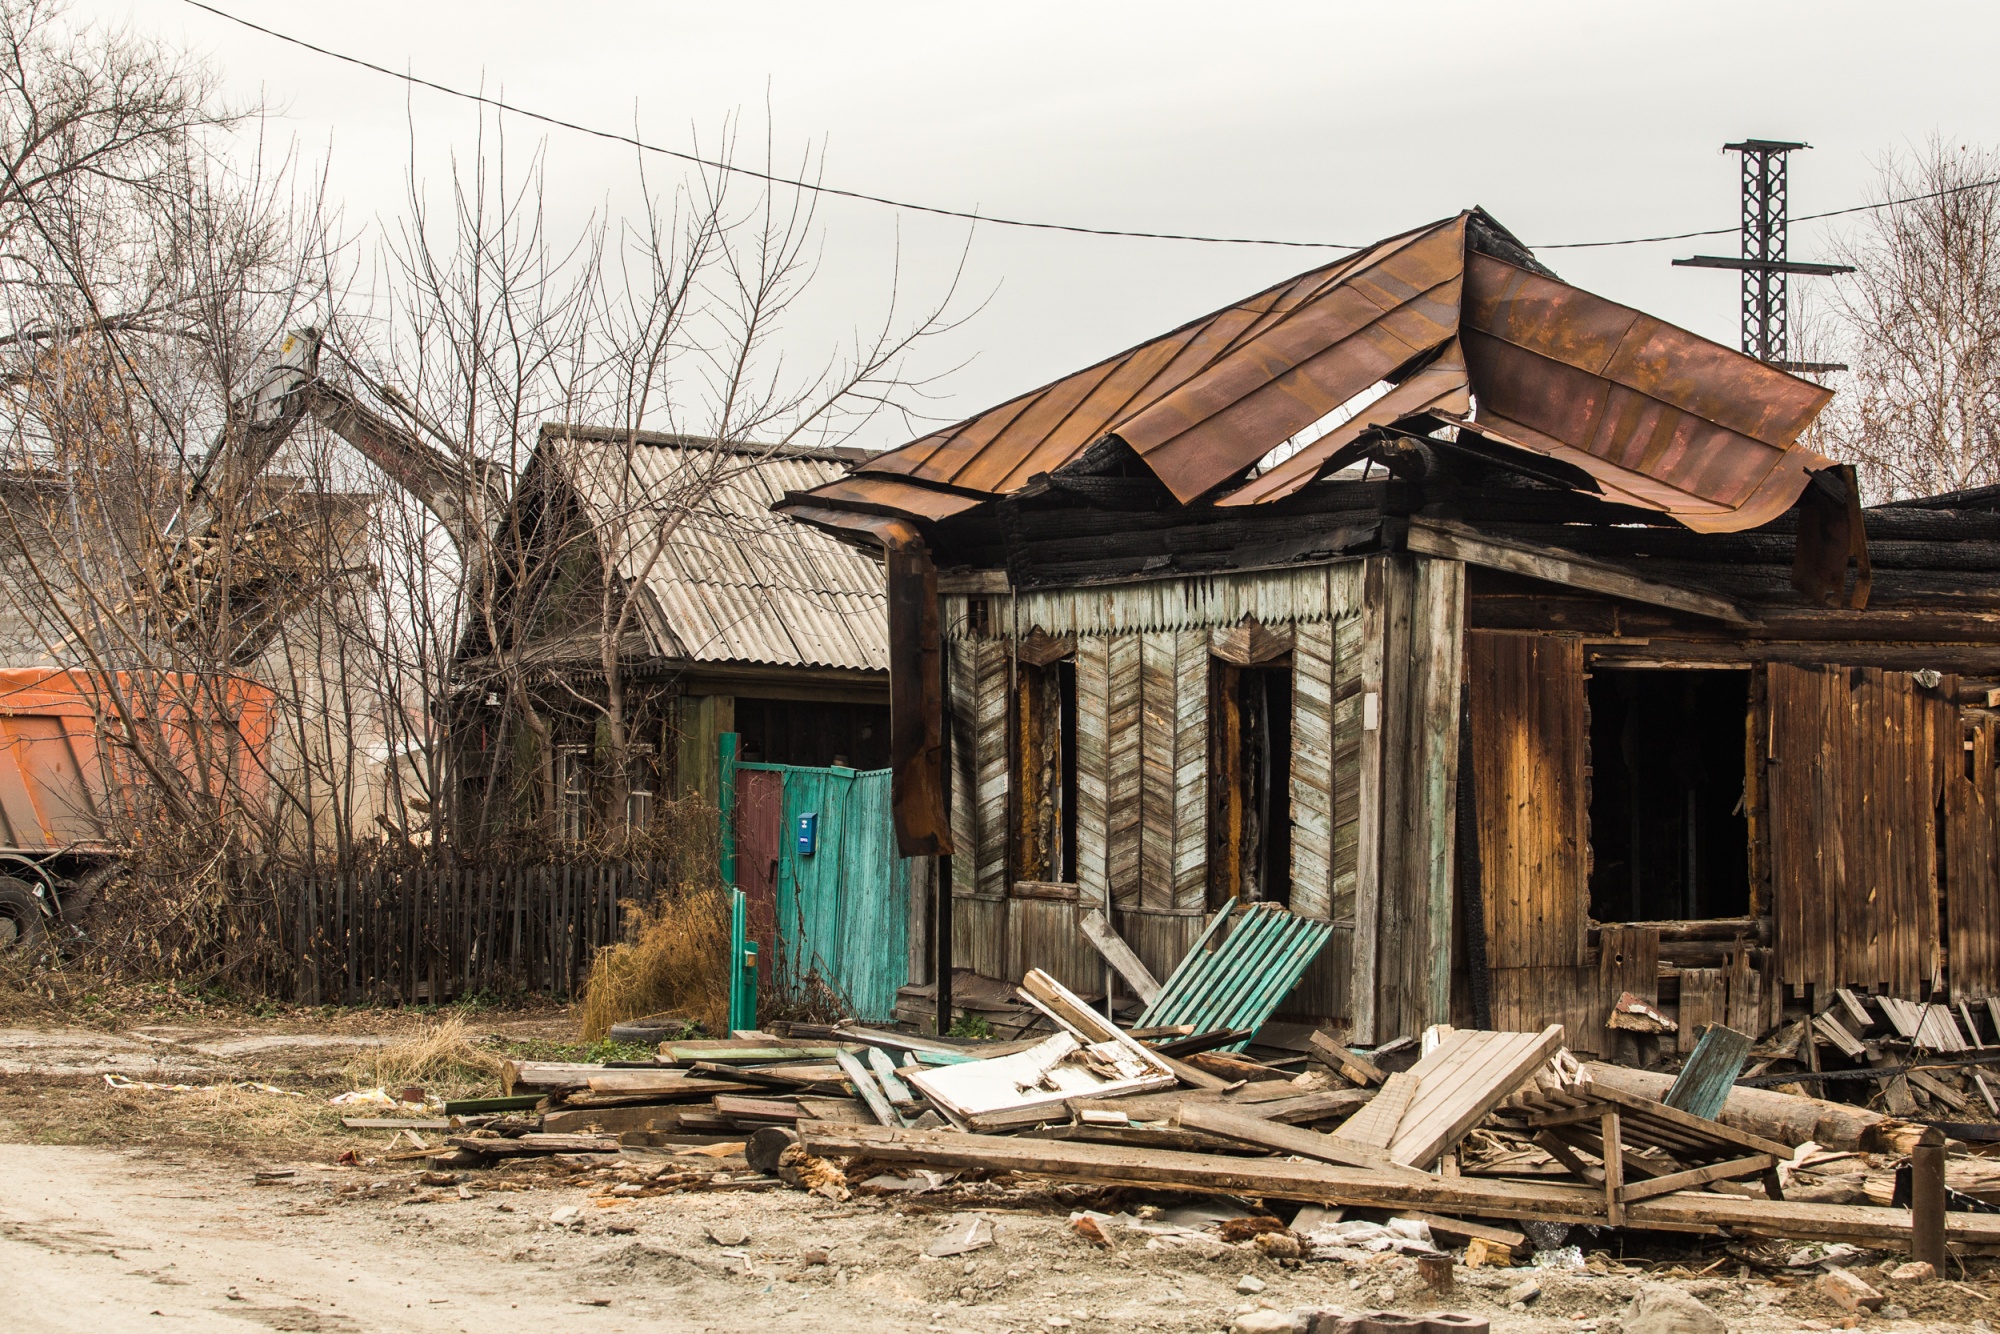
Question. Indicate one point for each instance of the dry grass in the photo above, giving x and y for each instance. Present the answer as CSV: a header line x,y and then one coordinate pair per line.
x,y
440,1058
224,1119
675,958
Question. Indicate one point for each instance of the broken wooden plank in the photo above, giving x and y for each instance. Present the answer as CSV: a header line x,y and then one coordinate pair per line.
x,y
1459,1227
1217,1120
1705,1080
1856,1011
1940,1090
1460,1083
395,1123
884,1070
866,1088
1097,929
1986,1092
741,1107
1311,1106
1376,1124
1836,1033
1716,1131
1357,1068
1971,1026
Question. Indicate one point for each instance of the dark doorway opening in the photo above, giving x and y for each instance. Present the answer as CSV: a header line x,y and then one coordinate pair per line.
x,y
1252,751
1044,786
1669,835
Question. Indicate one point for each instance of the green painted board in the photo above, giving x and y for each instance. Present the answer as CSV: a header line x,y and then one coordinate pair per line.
x,y
520,1102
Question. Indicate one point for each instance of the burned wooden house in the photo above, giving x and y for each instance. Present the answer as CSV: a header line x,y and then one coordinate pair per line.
x,y
1509,629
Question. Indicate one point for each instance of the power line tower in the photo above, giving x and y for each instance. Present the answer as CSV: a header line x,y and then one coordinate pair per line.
x,y
1763,263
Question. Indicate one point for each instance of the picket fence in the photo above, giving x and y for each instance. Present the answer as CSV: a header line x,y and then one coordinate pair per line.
x,y
425,934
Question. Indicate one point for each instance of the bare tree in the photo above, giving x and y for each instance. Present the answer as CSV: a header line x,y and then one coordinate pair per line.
x,y
1919,323
668,323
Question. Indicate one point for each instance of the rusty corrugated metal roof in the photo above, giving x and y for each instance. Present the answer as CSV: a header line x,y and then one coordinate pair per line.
x,y
734,582
1655,416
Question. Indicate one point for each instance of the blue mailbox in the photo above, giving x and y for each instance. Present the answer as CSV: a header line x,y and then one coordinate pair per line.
x,y
808,833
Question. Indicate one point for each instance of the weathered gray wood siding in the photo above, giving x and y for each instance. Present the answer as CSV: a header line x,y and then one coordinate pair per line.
x,y
1142,738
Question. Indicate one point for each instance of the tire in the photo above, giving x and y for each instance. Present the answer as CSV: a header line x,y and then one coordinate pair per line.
x,y
23,925
649,1031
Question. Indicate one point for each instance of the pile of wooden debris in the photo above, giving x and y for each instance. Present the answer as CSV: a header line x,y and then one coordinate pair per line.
x,y
1465,1131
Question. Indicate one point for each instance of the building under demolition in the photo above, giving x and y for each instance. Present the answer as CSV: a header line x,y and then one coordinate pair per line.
x,y
1510,630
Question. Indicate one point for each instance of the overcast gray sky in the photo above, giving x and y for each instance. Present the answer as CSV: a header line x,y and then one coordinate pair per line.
x,y
1317,122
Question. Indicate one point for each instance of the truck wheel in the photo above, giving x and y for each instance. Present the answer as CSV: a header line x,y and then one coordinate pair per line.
x,y
22,925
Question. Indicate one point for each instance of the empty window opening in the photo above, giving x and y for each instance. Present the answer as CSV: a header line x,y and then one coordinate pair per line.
x,y
1045,772
813,733
1251,740
1669,835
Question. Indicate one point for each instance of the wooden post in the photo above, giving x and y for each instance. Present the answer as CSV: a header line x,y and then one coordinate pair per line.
x,y
1927,1200
1614,1169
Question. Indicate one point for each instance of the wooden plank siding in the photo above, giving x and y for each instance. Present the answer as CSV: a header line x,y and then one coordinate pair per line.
x,y
1346,844
1972,860
1854,781
1159,695
1190,795
1123,792
1527,699
1093,849
1312,770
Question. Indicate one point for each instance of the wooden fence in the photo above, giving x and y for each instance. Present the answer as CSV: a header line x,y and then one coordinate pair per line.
x,y
427,934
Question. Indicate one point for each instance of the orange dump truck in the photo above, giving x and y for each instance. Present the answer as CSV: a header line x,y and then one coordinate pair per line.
x,y
68,790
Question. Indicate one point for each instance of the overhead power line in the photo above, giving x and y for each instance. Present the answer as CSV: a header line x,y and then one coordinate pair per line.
x,y
968,215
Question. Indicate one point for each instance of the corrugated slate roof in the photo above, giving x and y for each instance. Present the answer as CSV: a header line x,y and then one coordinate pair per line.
x,y
734,582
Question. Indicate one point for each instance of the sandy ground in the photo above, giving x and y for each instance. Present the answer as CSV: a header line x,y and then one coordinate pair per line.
x,y
141,1227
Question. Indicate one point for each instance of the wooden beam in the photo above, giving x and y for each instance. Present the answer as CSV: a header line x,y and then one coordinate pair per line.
x,y
1357,1068
1437,537
1458,1227
1673,1116
1698,1176
1328,1183
1098,931
1557,1148
1217,1120
1614,1170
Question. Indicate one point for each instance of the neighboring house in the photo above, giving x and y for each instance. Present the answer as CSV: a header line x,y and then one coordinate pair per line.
x,y
1509,629
741,622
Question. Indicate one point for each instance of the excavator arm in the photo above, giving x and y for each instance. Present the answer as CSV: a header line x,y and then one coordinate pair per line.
x,y
210,588
467,499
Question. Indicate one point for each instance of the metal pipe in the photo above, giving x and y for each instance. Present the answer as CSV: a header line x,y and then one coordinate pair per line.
x,y
1927,1200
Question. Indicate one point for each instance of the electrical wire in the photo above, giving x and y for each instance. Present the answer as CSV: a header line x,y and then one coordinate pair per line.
x,y
815,187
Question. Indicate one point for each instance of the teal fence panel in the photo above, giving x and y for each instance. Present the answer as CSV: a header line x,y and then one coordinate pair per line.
x,y
844,910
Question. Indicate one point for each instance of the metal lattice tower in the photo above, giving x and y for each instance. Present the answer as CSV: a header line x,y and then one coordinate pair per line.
x,y
1764,264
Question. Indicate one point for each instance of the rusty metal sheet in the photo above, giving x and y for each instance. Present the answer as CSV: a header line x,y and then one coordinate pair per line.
x,y
862,490
1654,415
1223,356
1441,386
1602,338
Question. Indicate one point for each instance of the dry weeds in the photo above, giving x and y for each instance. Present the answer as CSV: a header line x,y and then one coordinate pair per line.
x,y
440,1058
675,959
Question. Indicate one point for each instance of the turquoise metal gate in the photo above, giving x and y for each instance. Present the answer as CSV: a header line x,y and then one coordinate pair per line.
x,y
825,897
